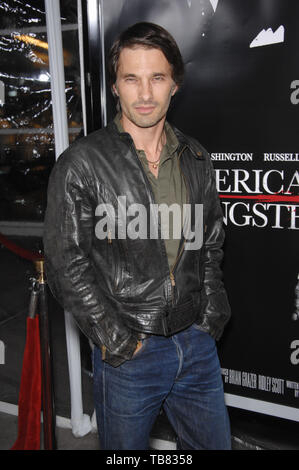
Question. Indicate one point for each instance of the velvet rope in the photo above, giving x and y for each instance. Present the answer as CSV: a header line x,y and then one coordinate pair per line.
x,y
22,252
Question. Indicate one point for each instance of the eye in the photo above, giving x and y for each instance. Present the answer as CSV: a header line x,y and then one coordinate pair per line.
x,y
158,78
130,80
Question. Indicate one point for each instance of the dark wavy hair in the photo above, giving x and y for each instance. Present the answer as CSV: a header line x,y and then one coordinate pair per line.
x,y
151,36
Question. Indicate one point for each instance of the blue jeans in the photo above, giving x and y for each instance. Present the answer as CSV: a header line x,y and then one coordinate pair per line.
x,y
182,373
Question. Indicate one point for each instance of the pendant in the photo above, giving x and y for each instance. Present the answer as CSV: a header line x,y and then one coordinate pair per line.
x,y
155,166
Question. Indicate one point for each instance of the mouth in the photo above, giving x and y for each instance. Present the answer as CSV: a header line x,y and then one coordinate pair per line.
x,y
144,109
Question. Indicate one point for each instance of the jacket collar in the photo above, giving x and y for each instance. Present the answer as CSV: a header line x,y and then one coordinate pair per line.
x,y
184,141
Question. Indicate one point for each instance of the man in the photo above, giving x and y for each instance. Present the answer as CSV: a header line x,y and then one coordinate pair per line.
x,y
153,305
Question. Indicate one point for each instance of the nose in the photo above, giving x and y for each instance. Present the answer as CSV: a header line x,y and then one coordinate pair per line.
x,y
145,90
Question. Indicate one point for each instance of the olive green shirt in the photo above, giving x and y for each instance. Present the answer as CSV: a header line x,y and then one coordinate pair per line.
x,y
168,188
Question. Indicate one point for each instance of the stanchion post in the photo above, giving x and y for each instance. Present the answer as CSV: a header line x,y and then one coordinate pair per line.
x,y
47,386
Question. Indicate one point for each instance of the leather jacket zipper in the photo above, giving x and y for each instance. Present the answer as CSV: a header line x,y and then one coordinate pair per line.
x,y
171,273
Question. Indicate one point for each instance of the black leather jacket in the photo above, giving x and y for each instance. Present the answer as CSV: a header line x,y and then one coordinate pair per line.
x,y
117,289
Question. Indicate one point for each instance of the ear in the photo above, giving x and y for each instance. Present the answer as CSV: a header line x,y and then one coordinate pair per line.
x,y
174,89
114,90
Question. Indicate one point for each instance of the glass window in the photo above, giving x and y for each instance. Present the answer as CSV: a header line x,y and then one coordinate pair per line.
x,y
27,152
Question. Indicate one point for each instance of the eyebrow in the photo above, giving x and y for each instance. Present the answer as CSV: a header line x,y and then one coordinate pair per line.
x,y
155,74
129,75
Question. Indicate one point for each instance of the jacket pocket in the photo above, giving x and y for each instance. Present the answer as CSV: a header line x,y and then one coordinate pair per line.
x,y
118,259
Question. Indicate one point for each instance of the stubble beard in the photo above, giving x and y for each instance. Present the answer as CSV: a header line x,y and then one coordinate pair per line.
x,y
146,121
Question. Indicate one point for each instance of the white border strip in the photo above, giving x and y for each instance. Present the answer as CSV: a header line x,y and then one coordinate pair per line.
x,y
81,60
13,410
236,401
162,444
56,66
265,407
103,71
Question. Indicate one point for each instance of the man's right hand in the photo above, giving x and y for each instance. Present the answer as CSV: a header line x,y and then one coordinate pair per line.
x,y
139,345
103,348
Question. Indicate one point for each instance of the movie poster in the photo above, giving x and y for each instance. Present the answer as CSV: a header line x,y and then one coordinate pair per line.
x,y
240,99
